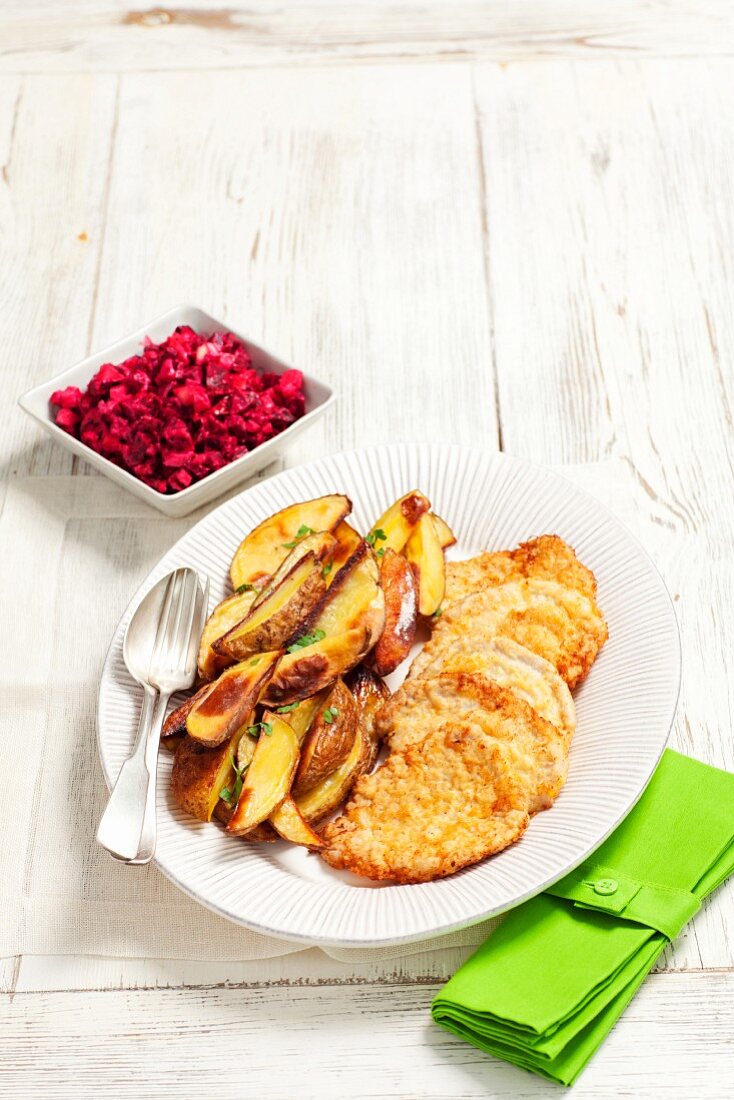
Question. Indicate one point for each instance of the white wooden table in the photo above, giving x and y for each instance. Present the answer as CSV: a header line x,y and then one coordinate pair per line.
x,y
506,225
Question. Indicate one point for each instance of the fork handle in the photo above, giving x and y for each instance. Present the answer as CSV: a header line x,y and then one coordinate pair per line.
x,y
148,833
121,826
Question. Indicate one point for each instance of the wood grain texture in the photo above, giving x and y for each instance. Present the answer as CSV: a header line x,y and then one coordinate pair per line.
x,y
114,35
55,144
611,244
334,216
381,1042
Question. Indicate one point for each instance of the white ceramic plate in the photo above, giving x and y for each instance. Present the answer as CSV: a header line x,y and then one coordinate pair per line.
x,y
625,707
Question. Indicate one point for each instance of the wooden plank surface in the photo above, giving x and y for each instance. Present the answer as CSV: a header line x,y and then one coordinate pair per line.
x,y
332,1042
114,35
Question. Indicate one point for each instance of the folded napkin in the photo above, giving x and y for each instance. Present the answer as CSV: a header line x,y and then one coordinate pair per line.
x,y
547,987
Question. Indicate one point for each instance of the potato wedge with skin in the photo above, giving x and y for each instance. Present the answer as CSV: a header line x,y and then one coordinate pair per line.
x,y
369,693
224,616
423,551
199,774
354,598
347,541
309,670
223,706
329,739
290,824
175,723
401,614
446,536
398,521
259,555
269,776
327,795
350,618
300,715
273,620
322,545
262,832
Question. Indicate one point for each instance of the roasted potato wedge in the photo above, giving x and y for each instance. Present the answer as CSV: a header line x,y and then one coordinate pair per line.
x,y
423,551
224,616
369,693
175,723
262,832
347,541
324,798
329,739
290,824
200,774
269,776
301,715
221,708
341,630
321,544
394,526
353,599
259,555
273,620
401,613
446,536
310,669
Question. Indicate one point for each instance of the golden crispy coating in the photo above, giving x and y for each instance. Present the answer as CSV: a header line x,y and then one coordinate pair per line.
x,y
547,557
558,623
449,801
538,748
512,666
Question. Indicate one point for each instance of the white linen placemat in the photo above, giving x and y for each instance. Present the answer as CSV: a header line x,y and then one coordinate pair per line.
x,y
73,550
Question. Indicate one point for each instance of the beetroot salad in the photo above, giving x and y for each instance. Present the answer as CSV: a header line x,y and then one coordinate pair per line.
x,y
180,409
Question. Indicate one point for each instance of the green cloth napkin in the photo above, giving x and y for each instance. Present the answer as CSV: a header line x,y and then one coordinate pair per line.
x,y
548,985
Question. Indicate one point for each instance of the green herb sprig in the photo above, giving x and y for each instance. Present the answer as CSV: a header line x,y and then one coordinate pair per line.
x,y
287,709
301,533
306,640
378,535
265,727
330,714
231,795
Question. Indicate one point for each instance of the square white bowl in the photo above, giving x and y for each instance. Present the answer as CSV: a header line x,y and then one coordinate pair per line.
x,y
37,402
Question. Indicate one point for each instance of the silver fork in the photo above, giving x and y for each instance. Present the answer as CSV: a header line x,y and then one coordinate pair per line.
x,y
162,662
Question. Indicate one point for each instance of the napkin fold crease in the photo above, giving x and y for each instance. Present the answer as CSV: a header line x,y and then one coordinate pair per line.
x,y
547,987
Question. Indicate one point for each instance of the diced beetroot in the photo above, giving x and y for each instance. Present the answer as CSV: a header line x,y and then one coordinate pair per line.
x,y
180,409
68,420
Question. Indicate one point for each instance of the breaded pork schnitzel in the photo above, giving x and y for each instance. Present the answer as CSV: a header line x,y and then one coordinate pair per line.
x,y
558,623
422,705
508,664
451,800
547,557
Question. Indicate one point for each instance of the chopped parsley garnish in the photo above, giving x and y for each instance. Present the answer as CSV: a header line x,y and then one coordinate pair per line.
x,y
254,731
287,709
306,640
327,569
301,533
330,714
255,661
378,535
438,613
245,588
380,553
231,795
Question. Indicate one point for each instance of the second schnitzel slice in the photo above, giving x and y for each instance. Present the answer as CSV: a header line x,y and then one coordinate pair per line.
x,y
512,666
558,623
449,801
539,749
